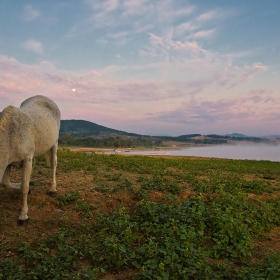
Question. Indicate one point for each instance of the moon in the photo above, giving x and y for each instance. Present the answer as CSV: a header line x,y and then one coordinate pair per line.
x,y
73,89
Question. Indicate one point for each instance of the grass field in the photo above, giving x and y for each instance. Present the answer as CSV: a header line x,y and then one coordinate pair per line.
x,y
136,217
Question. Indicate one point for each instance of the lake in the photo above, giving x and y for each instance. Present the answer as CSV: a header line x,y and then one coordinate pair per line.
x,y
253,152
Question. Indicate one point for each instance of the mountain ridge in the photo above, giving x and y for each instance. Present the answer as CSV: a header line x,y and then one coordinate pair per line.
x,y
83,128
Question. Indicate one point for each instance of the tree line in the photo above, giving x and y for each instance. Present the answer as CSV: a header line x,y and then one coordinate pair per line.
x,y
116,142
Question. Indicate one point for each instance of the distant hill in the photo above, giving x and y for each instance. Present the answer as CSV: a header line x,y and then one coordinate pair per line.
x,y
272,136
81,128
237,135
245,136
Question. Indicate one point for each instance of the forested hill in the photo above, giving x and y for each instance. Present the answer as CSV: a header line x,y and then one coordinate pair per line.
x,y
85,133
81,128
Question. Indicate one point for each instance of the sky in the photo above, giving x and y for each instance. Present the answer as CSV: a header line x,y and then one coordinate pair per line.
x,y
156,67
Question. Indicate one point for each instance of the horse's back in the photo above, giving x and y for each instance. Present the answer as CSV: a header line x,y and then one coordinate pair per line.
x,y
41,106
45,117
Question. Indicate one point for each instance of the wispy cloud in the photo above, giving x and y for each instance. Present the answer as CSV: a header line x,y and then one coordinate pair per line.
x,y
131,8
105,6
101,40
185,28
159,44
34,46
30,13
118,35
213,14
201,34
246,107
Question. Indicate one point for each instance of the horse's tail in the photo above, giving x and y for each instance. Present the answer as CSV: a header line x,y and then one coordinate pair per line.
x,y
48,158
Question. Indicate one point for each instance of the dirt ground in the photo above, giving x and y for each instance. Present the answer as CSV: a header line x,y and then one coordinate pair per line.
x,y
45,216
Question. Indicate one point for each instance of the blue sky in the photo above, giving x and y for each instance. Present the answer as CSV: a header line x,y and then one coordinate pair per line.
x,y
153,67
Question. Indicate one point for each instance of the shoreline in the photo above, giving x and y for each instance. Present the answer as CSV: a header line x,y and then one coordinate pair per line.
x,y
171,146
239,152
128,150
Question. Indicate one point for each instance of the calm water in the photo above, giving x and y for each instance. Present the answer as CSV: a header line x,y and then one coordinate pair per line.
x,y
255,152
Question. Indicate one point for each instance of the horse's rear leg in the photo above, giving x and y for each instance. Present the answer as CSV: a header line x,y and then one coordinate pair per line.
x,y
53,160
6,180
26,174
7,175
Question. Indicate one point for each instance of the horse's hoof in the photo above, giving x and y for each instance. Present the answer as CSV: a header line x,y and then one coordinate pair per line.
x,y
23,222
52,194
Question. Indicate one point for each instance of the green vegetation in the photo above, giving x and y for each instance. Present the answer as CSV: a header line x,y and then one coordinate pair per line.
x,y
182,218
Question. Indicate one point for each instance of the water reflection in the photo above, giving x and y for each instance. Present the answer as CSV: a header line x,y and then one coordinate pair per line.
x,y
254,152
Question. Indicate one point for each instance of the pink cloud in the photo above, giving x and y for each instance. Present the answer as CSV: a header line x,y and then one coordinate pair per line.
x,y
257,67
246,108
9,64
187,46
100,96
90,87
155,40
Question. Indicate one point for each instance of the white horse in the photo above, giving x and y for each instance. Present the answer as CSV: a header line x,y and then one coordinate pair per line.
x,y
26,133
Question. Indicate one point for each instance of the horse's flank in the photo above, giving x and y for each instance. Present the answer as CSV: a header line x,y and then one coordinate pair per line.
x,y
5,116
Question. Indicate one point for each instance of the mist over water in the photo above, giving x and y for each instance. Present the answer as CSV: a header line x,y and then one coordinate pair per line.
x,y
253,152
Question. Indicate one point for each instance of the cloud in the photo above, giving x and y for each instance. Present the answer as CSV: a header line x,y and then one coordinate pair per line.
x,y
202,34
91,87
30,13
262,96
213,14
252,106
185,27
186,46
120,38
155,40
101,86
136,16
33,45
106,6
182,12
132,8
148,52
178,103
102,41
102,12
257,67
178,46
118,35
